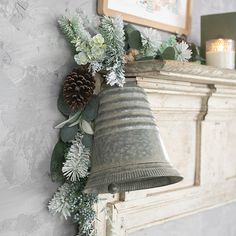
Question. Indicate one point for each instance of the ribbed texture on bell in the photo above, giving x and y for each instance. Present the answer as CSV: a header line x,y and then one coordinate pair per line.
x,y
128,153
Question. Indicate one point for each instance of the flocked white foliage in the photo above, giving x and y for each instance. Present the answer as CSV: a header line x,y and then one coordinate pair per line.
x,y
183,53
112,31
73,28
151,41
77,160
87,229
91,22
59,203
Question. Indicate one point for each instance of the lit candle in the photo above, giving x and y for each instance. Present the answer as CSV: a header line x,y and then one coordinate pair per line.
x,y
220,53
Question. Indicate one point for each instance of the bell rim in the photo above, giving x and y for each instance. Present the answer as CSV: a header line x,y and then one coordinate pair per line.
x,y
132,180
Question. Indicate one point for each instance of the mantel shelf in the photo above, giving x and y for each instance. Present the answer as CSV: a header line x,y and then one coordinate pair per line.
x,y
181,71
195,109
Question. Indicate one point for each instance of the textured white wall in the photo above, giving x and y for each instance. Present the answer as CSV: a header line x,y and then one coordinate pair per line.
x,y
33,61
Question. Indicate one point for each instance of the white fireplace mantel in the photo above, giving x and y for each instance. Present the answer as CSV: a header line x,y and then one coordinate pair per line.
x,y
195,109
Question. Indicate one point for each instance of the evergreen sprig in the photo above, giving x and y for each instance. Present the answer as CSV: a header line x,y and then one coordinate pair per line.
x,y
113,33
77,160
73,28
70,201
104,51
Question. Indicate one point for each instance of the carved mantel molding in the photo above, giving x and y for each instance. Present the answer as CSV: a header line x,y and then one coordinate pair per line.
x,y
195,109
191,72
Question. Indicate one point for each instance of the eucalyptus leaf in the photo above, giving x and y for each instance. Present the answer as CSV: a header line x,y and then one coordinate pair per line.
x,y
194,49
62,106
129,29
57,160
87,140
126,47
71,119
67,134
158,55
76,122
91,109
169,53
86,127
135,40
133,37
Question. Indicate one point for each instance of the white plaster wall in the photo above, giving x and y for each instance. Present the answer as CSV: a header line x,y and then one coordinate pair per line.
x,y
34,58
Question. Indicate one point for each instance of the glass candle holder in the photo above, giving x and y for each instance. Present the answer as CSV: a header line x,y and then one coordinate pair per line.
x,y
221,53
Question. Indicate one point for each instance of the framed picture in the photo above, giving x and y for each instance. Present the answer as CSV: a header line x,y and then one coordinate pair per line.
x,y
168,15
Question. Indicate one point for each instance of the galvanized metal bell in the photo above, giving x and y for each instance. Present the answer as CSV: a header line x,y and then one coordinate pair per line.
x,y
128,153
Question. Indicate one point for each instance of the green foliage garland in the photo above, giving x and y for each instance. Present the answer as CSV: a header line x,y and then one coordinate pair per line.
x,y
107,49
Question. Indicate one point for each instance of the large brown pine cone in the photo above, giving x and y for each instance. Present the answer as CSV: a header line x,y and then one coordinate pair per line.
x,y
78,87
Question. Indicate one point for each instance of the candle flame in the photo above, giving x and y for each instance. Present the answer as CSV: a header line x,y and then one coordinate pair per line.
x,y
220,45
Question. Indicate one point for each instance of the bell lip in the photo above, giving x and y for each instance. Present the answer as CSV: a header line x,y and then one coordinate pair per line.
x,y
132,186
132,180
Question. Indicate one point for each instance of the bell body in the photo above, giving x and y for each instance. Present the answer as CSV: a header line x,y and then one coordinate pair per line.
x,y
128,153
